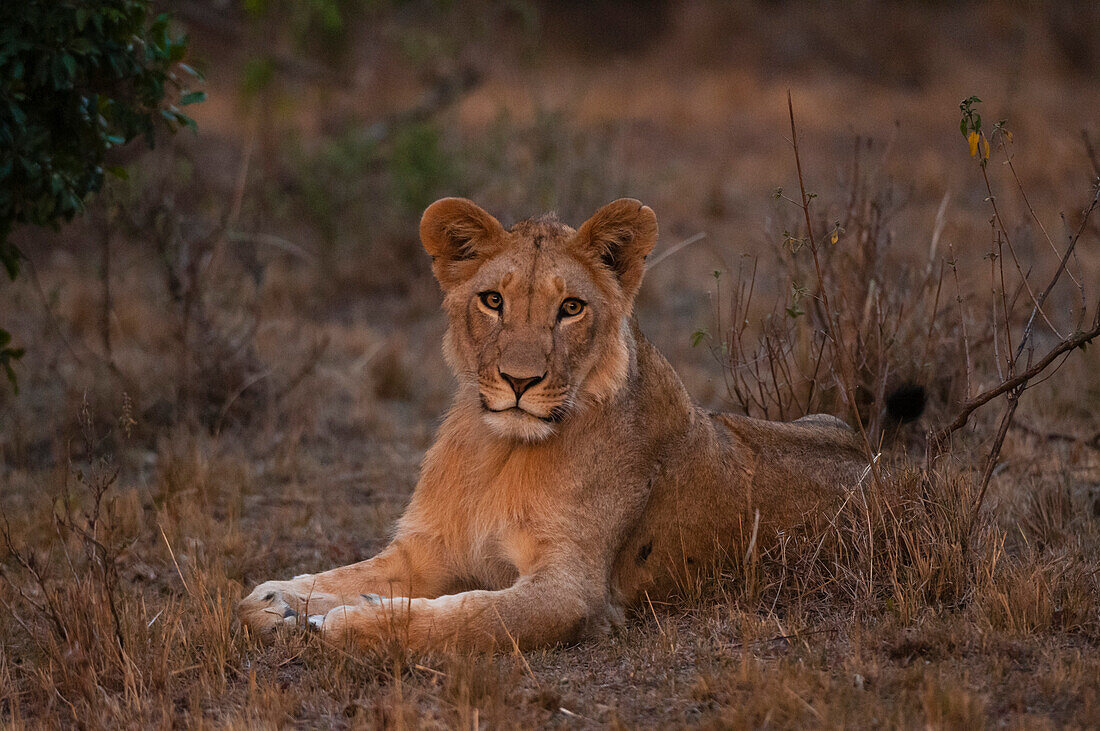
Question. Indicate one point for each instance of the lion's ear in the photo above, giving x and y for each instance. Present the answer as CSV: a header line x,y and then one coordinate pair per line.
x,y
456,232
621,235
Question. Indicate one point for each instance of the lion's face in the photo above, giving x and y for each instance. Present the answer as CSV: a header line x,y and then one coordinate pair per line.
x,y
538,313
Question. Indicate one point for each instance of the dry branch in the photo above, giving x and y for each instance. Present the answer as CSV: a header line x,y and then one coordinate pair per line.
x,y
1072,342
1058,273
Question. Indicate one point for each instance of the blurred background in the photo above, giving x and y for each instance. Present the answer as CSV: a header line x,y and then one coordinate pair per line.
x,y
280,241
329,125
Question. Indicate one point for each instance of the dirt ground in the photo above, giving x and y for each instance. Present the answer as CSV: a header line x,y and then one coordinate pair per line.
x,y
252,379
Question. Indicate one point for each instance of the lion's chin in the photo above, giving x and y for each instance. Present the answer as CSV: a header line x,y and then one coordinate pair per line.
x,y
519,425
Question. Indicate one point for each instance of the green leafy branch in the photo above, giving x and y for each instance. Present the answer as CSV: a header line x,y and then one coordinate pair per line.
x,y
78,79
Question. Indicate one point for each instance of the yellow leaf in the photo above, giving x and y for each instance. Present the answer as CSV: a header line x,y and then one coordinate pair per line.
x,y
972,140
836,237
985,147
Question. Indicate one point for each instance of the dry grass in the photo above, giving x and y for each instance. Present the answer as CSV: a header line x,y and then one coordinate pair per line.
x,y
273,378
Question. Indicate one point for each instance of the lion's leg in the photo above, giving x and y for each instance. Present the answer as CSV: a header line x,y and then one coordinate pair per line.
x,y
536,611
410,566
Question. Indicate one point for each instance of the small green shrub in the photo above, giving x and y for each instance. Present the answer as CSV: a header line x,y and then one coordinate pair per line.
x,y
77,78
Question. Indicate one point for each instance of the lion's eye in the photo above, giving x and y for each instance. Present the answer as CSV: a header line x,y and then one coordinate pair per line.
x,y
571,308
492,300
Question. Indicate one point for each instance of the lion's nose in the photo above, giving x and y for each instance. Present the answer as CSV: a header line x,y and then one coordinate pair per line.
x,y
520,385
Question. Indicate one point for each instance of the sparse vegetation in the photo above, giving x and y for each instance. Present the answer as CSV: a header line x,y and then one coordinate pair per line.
x,y
254,399
79,79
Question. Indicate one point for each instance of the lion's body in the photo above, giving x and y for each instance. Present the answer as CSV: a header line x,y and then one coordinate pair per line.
x,y
540,516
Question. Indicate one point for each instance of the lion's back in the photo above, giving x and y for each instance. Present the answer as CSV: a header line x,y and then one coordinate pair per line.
x,y
727,479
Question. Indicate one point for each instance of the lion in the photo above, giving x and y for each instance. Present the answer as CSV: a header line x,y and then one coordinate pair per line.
x,y
573,478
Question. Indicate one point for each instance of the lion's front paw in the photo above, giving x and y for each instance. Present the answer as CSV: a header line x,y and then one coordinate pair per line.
x,y
297,603
268,606
276,603
347,622
367,622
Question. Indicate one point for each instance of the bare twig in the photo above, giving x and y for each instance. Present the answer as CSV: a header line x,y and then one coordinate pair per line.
x,y
1004,232
937,231
834,322
676,247
994,452
1058,273
174,561
962,320
275,242
939,438
50,610
1091,152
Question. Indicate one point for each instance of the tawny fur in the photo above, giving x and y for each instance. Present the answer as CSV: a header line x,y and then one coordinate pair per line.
x,y
540,517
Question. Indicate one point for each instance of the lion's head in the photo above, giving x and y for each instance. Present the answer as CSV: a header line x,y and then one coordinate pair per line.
x,y
538,312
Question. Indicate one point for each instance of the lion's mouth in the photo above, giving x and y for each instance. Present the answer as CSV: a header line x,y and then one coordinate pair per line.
x,y
555,416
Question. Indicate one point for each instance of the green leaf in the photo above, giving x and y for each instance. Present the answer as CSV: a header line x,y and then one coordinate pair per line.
x,y
697,337
193,97
186,121
177,51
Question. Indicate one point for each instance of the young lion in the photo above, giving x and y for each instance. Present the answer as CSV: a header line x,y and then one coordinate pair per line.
x,y
572,477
